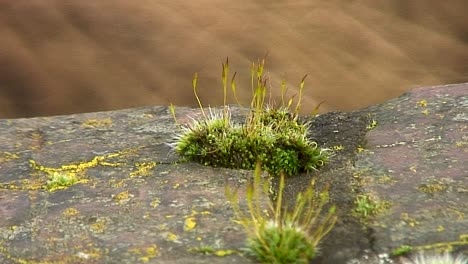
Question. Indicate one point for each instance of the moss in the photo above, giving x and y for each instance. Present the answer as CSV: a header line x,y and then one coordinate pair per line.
x,y
59,180
367,205
276,235
402,250
271,135
279,142
447,246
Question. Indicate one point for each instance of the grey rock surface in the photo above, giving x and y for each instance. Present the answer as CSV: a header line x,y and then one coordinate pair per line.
x,y
135,202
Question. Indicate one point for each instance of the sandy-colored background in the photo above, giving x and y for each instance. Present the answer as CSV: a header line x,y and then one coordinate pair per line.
x,y
60,57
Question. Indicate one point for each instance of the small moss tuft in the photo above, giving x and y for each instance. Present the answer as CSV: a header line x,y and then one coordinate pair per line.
x,y
280,234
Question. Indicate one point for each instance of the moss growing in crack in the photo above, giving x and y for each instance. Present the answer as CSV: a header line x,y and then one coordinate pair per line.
x,y
367,205
276,233
272,135
59,180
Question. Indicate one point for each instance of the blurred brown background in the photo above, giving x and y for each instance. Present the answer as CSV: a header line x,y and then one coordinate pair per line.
x,y
64,56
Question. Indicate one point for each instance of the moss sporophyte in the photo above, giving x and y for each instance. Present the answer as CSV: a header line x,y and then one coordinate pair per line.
x,y
279,234
271,135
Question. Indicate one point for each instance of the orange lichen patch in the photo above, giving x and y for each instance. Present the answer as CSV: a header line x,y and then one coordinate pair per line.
x,y
143,168
95,123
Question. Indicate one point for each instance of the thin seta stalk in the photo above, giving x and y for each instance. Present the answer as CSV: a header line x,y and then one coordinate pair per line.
x,y
194,84
224,76
299,100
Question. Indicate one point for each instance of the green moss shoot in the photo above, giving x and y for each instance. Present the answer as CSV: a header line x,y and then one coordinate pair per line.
x,y
278,234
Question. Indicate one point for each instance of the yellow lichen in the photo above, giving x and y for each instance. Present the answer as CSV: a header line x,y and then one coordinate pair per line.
x,y
224,252
68,174
409,220
385,179
422,103
433,187
99,227
155,203
460,214
143,168
338,147
189,224
71,212
445,246
171,236
95,123
122,197
210,250
7,156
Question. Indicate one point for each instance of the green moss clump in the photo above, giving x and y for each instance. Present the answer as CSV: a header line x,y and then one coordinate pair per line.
x,y
288,245
276,233
277,139
273,136
59,180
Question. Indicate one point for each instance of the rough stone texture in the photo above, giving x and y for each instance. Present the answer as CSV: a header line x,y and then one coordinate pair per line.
x,y
136,202
417,160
